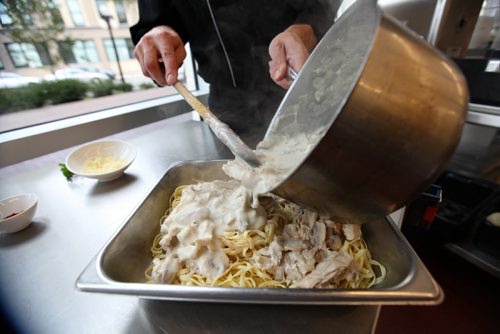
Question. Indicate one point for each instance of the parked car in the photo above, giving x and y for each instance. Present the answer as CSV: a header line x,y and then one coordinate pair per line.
x,y
80,74
13,80
106,71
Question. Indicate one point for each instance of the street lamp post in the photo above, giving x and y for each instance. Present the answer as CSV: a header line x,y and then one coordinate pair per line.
x,y
106,17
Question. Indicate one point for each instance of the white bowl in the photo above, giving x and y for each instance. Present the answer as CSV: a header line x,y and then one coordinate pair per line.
x,y
17,212
107,158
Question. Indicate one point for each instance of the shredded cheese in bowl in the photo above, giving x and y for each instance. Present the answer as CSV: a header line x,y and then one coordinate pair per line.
x,y
102,164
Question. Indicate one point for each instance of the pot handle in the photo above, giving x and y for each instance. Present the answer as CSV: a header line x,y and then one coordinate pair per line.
x,y
291,74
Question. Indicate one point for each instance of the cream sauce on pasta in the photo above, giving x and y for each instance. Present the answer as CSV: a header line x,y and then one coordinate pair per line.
x,y
204,237
192,230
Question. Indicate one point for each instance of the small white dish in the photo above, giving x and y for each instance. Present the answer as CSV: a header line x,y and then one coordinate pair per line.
x,y
17,212
104,160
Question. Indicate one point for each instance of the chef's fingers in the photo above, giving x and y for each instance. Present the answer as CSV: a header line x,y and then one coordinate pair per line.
x,y
150,65
170,69
284,82
299,41
139,55
172,53
146,53
278,62
160,52
287,49
296,54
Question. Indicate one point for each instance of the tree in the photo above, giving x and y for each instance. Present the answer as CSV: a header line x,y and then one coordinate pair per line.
x,y
36,22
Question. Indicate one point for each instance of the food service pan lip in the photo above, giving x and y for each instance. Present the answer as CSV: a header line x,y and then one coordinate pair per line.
x,y
417,288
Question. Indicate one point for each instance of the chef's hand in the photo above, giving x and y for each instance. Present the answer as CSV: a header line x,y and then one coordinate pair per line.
x,y
290,48
160,53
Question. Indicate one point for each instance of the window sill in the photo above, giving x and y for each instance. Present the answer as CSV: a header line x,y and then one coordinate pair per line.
x,y
30,142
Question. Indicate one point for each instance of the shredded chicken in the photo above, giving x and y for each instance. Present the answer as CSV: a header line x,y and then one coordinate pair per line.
x,y
307,251
352,231
331,267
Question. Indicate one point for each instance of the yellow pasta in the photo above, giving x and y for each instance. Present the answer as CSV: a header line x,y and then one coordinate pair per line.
x,y
241,249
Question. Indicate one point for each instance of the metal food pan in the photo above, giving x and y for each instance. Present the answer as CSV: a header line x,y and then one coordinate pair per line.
x,y
119,266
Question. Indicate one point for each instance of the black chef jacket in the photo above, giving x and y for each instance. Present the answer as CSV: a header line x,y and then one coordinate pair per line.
x,y
229,40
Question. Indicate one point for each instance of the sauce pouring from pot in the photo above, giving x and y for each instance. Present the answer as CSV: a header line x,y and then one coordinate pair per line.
x,y
368,124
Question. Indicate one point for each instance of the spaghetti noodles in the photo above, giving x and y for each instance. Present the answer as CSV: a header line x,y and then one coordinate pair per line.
x,y
215,234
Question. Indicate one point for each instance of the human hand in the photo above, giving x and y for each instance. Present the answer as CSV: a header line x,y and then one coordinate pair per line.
x,y
290,48
160,53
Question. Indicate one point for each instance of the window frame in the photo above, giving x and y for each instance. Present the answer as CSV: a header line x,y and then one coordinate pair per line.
x,y
28,143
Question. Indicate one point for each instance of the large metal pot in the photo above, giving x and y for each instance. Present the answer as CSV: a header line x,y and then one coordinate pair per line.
x,y
394,116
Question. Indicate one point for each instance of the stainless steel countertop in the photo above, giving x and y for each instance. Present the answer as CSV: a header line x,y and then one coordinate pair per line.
x,y
39,265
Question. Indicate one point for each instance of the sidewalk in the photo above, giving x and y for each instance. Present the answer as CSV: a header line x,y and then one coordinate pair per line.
x,y
25,118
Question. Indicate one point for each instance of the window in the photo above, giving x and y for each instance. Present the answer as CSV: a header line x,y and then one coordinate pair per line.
x,y
83,43
101,5
124,47
80,51
121,13
28,55
5,18
76,13
485,40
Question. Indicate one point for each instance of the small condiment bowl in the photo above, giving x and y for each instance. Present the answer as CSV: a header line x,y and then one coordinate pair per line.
x,y
100,155
17,212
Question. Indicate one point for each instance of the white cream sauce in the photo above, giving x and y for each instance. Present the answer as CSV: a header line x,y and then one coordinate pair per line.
x,y
192,230
207,210
305,253
279,156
